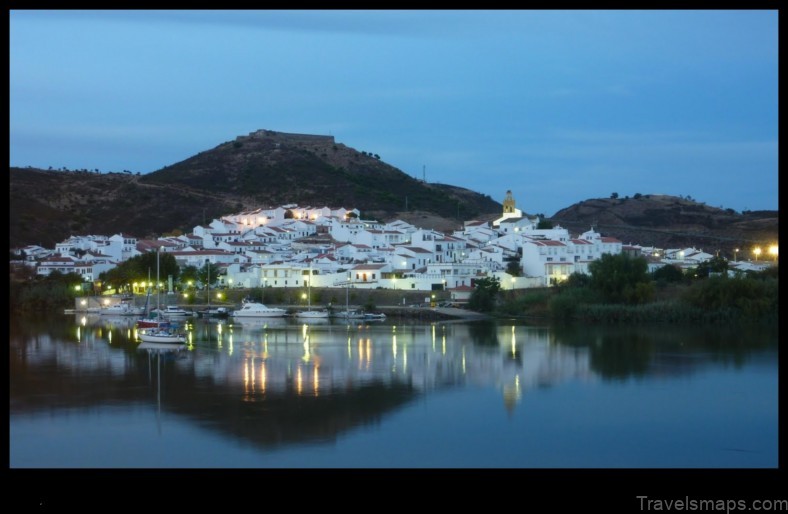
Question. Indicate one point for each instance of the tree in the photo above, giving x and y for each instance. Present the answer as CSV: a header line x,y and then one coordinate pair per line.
x,y
716,264
544,224
668,273
614,195
513,268
485,294
208,274
621,278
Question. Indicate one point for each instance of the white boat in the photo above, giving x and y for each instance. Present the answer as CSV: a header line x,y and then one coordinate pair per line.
x,y
374,316
121,309
309,313
258,310
173,311
321,314
168,346
160,336
348,314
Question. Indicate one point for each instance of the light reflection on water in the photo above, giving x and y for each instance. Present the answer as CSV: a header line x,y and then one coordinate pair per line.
x,y
285,394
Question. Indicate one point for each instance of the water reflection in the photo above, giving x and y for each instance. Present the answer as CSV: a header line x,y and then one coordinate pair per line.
x,y
281,382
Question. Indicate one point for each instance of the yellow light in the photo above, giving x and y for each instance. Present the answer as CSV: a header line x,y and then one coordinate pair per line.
x,y
757,252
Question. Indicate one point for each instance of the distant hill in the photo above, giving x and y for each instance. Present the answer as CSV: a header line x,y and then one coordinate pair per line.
x,y
671,222
267,169
262,169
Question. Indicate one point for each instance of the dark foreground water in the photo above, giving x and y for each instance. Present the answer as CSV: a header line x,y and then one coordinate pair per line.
x,y
83,394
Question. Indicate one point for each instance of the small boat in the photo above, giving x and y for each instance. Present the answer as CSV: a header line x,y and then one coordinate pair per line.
x,y
173,311
121,309
374,316
153,322
168,346
309,313
258,310
349,314
215,312
321,314
161,336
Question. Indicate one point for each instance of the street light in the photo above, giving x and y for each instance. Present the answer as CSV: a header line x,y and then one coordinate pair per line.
x,y
757,252
735,254
773,251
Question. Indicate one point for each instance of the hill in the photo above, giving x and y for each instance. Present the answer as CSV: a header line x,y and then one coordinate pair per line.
x,y
262,169
268,168
668,221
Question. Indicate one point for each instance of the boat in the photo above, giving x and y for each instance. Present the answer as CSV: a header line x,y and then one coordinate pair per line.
x,y
321,314
213,312
151,320
374,316
309,313
348,314
258,310
173,311
159,334
121,309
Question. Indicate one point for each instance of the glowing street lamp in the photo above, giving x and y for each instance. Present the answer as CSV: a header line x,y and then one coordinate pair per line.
x,y
773,251
735,254
757,252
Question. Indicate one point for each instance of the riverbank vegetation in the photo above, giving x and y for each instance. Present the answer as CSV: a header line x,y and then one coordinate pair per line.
x,y
619,289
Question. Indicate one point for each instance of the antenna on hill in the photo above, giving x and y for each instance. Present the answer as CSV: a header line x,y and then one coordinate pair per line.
x,y
424,172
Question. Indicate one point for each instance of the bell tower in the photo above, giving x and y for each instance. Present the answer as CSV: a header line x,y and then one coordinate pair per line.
x,y
508,203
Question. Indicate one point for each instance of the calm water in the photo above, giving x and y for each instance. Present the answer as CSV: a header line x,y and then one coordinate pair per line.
x,y
392,395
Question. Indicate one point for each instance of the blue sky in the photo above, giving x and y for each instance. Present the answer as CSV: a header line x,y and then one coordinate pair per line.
x,y
556,106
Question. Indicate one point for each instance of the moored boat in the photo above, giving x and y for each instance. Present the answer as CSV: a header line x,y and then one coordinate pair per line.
x,y
157,335
258,310
173,311
121,309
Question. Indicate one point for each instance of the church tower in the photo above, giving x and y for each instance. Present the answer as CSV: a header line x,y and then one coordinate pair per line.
x,y
508,203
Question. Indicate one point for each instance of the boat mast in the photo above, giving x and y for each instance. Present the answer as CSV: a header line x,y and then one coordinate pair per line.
x,y
158,291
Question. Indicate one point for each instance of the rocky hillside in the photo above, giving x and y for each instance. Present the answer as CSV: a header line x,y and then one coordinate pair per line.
x,y
671,222
262,169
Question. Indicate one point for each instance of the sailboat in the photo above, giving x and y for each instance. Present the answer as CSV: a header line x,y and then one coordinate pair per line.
x,y
309,313
150,321
348,314
159,334
217,312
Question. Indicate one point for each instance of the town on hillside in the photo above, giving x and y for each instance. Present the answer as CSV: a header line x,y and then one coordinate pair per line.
x,y
295,246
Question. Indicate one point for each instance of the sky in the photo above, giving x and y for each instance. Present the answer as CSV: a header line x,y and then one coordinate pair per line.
x,y
556,106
